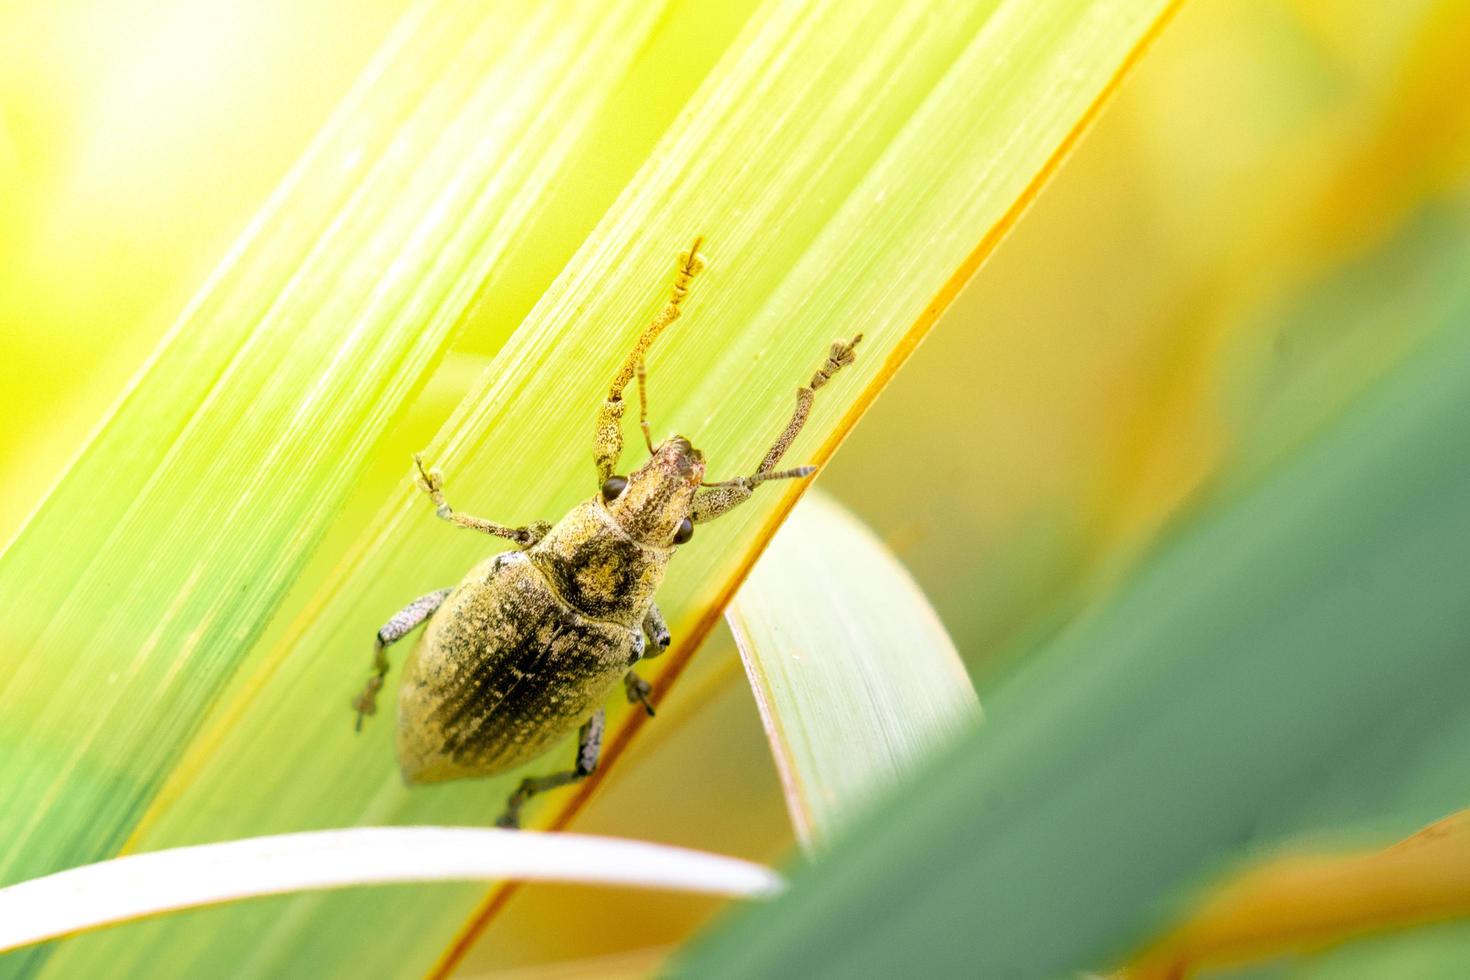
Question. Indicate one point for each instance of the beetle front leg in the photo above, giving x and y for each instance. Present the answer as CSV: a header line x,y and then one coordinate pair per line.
x,y
608,441
589,749
712,502
404,621
431,482
715,499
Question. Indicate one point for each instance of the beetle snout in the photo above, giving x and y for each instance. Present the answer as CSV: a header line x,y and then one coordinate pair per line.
x,y
654,501
678,457
688,461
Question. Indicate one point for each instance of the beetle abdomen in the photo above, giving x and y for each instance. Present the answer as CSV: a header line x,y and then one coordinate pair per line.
x,y
503,672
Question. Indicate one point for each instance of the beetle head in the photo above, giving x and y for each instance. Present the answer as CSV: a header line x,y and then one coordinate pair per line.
x,y
652,504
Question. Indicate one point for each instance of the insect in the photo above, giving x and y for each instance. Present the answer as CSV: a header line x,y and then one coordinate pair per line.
x,y
531,643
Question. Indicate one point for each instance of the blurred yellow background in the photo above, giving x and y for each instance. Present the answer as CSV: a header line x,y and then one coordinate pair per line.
x,y
136,142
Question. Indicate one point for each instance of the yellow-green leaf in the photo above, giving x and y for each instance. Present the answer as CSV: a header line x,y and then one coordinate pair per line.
x,y
855,676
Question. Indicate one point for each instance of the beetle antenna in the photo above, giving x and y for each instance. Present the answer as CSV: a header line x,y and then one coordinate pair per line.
x,y
751,482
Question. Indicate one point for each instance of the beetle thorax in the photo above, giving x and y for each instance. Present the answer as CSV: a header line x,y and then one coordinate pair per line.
x,y
607,557
597,568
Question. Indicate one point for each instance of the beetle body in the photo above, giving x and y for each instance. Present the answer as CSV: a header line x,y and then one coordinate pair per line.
x,y
530,644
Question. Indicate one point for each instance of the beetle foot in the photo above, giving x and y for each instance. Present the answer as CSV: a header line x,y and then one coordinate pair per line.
x,y
366,703
638,691
527,536
430,480
511,818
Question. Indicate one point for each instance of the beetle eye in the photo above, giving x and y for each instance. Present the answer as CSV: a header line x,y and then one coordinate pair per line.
x,y
685,532
613,487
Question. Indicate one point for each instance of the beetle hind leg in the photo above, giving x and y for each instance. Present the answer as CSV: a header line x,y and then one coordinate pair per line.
x,y
589,749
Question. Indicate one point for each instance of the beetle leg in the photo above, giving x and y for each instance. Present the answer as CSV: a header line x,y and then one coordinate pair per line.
x,y
638,691
657,632
712,502
608,442
589,748
841,354
403,622
714,499
431,482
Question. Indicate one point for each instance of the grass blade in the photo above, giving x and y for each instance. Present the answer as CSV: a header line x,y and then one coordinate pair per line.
x,y
854,675
167,881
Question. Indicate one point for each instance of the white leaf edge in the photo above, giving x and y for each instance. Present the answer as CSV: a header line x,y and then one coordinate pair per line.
x,y
898,704
138,885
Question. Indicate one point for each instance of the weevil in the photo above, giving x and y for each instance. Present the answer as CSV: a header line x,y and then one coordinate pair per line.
x,y
531,643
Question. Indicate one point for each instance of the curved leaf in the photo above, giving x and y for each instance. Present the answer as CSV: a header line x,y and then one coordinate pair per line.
x,y
187,877
855,677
